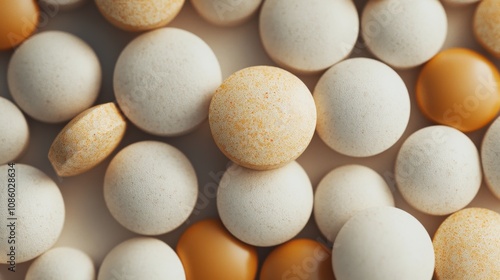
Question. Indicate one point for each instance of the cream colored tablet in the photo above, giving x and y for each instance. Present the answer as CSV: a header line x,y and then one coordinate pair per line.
x,y
62,263
438,170
53,76
226,12
383,243
139,15
33,213
141,258
164,80
487,26
262,117
150,187
345,191
490,151
15,134
308,36
265,208
404,34
364,114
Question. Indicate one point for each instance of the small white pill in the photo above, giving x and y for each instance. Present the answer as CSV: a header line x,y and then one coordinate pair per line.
x,y
164,81
364,114
265,208
438,170
62,263
345,191
308,36
226,12
490,151
53,76
150,187
404,34
141,258
15,132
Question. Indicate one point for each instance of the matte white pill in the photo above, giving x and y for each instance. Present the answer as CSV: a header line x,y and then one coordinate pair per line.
x,y
308,36
14,136
226,12
36,209
406,33
141,258
150,187
53,76
490,151
164,81
364,114
438,170
345,191
265,208
62,263
382,243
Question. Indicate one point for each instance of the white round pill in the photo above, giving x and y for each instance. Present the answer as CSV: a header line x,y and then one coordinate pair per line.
x,y
364,114
226,12
142,258
381,243
345,191
33,215
265,208
62,263
438,170
15,132
308,36
490,151
53,76
404,34
164,81
150,187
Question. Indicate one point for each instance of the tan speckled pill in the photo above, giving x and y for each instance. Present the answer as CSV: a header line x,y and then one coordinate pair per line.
x,y
487,25
139,15
467,246
87,140
262,117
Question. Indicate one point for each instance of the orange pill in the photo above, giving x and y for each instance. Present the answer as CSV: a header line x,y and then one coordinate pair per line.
x,y
459,88
18,20
208,251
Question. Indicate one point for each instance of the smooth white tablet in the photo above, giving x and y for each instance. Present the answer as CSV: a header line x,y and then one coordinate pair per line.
x,y
490,151
226,12
15,134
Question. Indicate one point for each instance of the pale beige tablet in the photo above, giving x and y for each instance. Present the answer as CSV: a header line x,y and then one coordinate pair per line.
x,y
14,136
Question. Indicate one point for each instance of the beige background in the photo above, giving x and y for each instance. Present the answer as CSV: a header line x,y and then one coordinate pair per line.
x,y
89,225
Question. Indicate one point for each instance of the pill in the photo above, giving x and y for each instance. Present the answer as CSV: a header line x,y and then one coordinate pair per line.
x,y
460,2
298,259
467,245
164,80
18,20
139,15
364,114
404,34
63,5
62,263
308,36
38,208
262,117
381,243
265,208
226,12
15,134
343,192
438,170
208,251
486,25
141,258
490,149
459,88
150,187
53,76
87,140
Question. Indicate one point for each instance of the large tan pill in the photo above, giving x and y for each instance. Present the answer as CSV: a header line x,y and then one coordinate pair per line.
x,y
14,136
87,140
262,117
139,15
487,25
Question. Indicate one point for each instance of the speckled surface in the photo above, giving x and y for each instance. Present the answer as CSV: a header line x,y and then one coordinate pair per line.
x,y
490,157
487,25
14,136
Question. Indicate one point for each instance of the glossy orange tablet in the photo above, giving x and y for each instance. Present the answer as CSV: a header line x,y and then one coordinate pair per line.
x,y
208,251
18,20
459,88
298,259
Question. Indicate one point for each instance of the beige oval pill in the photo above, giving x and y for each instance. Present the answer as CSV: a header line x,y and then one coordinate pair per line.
x,y
87,140
487,25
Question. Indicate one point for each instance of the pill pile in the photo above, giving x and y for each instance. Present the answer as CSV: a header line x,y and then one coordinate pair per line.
x,y
249,139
